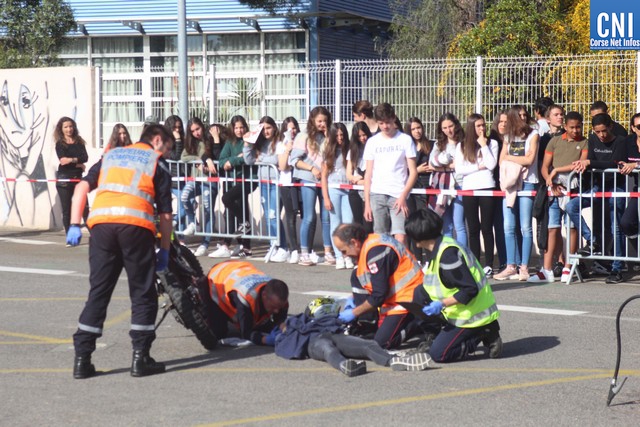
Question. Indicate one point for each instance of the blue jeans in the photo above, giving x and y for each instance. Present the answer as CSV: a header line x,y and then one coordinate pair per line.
x,y
180,216
308,225
341,212
209,193
459,221
616,209
523,207
271,211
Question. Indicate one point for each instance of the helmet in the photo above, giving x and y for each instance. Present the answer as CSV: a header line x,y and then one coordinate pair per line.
x,y
323,306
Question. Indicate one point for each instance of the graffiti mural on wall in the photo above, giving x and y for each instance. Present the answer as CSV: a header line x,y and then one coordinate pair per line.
x,y
30,105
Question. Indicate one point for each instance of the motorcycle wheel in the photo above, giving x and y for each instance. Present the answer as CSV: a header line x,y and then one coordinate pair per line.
x,y
192,315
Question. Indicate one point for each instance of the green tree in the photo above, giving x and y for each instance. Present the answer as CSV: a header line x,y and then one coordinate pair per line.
x,y
425,29
272,6
33,32
514,28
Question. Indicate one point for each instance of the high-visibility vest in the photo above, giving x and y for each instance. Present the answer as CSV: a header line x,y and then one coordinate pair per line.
x,y
125,187
243,278
481,310
402,282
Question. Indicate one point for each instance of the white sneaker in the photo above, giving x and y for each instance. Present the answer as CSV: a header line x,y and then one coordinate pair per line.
x,y
340,264
542,276
222,252
190,229
315,258
202,249
348,263
281,255
294,257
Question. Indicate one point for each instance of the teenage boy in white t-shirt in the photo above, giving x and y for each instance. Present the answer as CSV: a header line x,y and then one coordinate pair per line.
x,y
390,175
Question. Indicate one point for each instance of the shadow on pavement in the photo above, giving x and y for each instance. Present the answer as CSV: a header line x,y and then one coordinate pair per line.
x,y
529,345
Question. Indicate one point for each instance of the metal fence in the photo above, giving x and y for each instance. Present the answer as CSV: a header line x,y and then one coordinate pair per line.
x,y
423,88
198,199
602,228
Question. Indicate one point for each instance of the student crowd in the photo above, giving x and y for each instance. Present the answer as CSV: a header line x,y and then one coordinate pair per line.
x,y
389,159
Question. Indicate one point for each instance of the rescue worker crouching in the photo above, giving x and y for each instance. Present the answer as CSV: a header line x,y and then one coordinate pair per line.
x,y
129,180
386,274
456,287
253,302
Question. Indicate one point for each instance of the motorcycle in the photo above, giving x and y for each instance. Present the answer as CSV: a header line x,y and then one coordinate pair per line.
x,y
184,289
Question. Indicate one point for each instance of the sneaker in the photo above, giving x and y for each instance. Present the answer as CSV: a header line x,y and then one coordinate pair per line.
x,y
598,268
523,273
557,269
240,252
221,252
340,265
542,276
415,362
202,249
281,255
329,259
505,274
315,258
614,277
488,272
348,263
305,259
353,368
190,229
244,228
566,274
294,258
590,249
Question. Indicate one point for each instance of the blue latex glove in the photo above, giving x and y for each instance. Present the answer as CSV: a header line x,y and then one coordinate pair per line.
x,y
349,303
347,316
162,259
74,235
433,309
271,338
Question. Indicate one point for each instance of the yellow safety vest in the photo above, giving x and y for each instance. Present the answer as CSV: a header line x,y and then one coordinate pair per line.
x,y
481,310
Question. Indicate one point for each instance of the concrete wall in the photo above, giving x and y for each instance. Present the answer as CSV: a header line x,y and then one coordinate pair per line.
x,y
31,103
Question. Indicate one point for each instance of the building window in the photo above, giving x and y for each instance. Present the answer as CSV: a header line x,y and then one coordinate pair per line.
x,y
107,45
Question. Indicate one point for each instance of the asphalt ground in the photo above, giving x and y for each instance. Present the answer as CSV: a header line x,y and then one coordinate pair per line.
x,y
556,366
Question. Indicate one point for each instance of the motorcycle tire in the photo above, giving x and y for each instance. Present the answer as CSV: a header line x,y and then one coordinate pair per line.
x,y
192,315
183,262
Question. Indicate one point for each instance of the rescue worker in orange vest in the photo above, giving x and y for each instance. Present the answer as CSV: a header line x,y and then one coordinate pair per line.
x,y
130,180
455,290
387,273
252,301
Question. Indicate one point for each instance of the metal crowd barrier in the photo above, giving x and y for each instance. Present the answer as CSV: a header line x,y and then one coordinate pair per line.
x,y
213,211
622,187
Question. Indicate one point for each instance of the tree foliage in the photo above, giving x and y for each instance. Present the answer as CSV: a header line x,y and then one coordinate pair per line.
x,y
514,28
272,6
34,32
425,29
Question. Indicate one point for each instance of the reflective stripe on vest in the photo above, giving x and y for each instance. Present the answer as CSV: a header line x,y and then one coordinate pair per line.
x,y
125,187
481,310
402,282
241,277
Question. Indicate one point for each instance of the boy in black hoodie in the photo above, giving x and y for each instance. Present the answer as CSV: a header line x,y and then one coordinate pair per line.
x,y
607,151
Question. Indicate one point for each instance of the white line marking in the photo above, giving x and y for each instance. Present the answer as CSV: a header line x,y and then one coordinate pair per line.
x,y
540,310
36,271
25,241
516,308
329,294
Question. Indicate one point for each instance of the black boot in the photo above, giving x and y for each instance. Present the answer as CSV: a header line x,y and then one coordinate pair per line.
x,y
83,368
143,364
